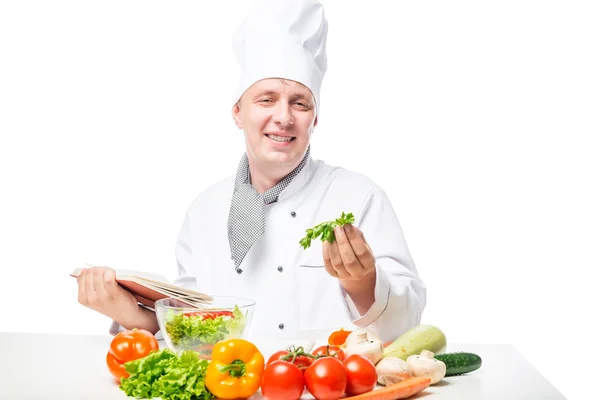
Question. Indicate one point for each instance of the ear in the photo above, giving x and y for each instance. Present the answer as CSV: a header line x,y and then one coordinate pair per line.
x,y
316,121
236,114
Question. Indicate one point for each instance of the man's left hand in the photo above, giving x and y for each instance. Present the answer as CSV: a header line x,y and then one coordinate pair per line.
x,y
349,257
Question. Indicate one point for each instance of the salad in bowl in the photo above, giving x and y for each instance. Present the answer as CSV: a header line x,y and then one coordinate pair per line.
x,y
185,327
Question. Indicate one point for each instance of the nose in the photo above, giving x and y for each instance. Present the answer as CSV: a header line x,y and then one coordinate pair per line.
x,y
282,115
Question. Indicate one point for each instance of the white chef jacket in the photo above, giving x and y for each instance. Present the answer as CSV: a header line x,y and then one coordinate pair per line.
x,y
301,300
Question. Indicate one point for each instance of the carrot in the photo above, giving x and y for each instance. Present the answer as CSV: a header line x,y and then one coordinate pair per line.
x,y
400,390
338,338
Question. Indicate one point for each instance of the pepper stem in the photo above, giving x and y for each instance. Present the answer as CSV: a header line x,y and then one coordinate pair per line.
x,y
236,369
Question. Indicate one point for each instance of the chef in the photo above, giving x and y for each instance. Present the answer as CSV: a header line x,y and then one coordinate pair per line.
x,y
241,236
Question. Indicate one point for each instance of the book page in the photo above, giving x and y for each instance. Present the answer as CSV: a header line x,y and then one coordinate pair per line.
x,y
148,288
126,274
172,288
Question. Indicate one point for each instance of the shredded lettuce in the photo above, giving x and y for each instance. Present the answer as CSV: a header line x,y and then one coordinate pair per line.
x,y
194,331
164,374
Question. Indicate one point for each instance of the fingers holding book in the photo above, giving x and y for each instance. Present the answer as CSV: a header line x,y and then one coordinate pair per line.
x,y
99,290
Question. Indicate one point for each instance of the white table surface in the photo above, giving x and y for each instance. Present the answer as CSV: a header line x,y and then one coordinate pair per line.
x,y
58,366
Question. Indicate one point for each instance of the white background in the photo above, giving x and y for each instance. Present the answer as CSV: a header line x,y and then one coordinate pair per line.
x,y
479,119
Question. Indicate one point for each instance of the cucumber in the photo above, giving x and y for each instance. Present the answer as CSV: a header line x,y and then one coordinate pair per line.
x,y
459,363
413,341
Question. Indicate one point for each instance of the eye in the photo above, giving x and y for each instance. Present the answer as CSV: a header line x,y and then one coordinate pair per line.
x,y
265,100
302,105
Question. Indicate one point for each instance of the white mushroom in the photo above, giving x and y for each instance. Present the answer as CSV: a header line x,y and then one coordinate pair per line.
x,y
392,370
358,335
425,365
361,344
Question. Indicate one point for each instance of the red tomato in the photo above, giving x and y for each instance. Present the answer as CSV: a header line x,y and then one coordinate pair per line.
x,y
129,345
277,356
282,380
223,313
326,378
361,373
195,314
330,351
116,368
209,314
301,362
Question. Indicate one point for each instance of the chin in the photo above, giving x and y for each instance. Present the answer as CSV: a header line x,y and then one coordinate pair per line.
x,y
279,157
288,156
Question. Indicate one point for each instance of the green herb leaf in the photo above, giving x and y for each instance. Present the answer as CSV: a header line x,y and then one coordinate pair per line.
x,y
325,230
164,374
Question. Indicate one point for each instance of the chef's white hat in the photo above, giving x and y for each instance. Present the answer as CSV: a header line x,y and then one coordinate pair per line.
x,y
283,39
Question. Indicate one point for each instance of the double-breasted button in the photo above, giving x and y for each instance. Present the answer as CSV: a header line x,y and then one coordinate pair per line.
x,y
280,268
239,270
281,326
293,213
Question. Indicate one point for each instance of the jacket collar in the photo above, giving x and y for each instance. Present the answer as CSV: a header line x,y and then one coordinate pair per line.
x,y
284,188
300,180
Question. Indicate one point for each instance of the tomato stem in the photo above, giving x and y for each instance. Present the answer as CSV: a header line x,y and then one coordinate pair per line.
x,y
294,352
332,355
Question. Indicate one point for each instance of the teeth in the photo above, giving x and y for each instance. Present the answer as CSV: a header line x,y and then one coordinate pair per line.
x,y
279,138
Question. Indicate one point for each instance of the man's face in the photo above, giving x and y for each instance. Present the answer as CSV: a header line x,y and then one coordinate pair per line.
x,y
277,117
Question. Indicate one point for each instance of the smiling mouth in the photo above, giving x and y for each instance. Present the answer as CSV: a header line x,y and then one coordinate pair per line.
x,y
281,138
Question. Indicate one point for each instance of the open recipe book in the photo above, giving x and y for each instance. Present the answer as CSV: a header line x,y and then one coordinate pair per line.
x,y
148,288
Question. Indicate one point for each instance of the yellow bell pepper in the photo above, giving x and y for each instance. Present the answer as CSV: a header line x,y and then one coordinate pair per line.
x,y
235,369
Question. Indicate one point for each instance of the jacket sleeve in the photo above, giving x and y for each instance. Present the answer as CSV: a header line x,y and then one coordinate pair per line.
x,y
400,295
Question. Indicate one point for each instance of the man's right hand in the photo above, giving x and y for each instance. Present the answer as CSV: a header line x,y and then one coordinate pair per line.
x,y
99,290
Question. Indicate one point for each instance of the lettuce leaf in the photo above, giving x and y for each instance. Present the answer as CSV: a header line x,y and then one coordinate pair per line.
x,y
164,374
193,331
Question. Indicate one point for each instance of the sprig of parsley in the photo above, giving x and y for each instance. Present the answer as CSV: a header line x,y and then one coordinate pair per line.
x,y
325,230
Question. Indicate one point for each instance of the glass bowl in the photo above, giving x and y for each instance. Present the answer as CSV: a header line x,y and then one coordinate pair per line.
x,y
185,327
